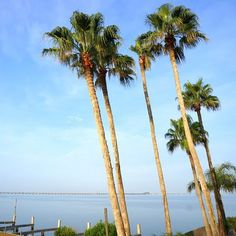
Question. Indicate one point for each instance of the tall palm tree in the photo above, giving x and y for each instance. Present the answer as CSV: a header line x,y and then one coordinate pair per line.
x,y
176,28
110,62
177,138
77,47
195,97
225,175
146,54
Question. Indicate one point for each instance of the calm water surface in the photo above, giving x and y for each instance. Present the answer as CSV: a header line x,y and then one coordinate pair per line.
x,y
76,211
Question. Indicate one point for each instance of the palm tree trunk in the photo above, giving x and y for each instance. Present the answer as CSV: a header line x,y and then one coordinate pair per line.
x,y
121,191
106,155
199,195
156,153
219,204
191,145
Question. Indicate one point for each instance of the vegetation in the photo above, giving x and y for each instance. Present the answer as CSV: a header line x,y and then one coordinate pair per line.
x,y
225,175
99,230
197,96
78,48
232,222
109,61
175,29
92,50
177,138
146,53
65,231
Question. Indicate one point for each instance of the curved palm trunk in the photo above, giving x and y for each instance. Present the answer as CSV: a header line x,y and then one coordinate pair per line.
x,y
199,195
191,146
106,155
156,153
219,204
121,191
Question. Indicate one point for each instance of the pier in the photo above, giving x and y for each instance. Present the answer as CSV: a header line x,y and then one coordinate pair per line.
x,y
9,226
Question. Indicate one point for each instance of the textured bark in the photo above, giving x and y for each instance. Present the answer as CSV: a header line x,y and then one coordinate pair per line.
x,y
192,149
156,153
108,167
120,185
199,195
219,203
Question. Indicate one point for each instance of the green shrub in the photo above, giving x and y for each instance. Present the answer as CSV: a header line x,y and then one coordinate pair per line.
x,y
99,230
176,234
232,222
65,231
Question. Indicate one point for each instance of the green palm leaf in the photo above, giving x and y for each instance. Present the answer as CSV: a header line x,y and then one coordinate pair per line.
x,y
176,135
225,175
174,28
197,95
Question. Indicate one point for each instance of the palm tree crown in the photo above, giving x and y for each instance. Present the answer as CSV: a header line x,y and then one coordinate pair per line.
x,y
199,95
145,51
174,28
124,68
78,47
118,65
226,178
177,137
106,48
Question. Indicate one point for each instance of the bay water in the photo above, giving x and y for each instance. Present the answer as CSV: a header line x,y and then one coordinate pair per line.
x,y
76,210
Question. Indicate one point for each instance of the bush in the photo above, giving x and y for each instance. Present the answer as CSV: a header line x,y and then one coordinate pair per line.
x,y
99,230
232,222
65,231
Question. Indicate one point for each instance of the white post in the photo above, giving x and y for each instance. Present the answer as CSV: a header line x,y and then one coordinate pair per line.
x,y
88,225
14,216
32,220
106,221
138,229
14,219
59,223
32,226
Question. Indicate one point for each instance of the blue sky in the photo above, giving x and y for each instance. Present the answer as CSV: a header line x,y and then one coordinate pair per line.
x,y
48,139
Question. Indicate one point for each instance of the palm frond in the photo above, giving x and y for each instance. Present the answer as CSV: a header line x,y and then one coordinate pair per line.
x,y
179,54
191,186
124,69
176,134
146,50
175,28
227,166
225,175
199,95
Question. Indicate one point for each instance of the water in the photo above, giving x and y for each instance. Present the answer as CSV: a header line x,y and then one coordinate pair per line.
x,y
76,211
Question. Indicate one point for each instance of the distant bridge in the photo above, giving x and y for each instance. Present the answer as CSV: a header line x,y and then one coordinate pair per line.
x,y
80,193
48,193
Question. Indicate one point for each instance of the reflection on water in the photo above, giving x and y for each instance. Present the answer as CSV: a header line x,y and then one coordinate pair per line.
x,y
76,211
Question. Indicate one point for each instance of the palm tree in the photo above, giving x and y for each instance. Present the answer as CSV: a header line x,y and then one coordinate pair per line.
x,y
78,48
146,54
177,138
225,175
109,61
195,97
174,29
